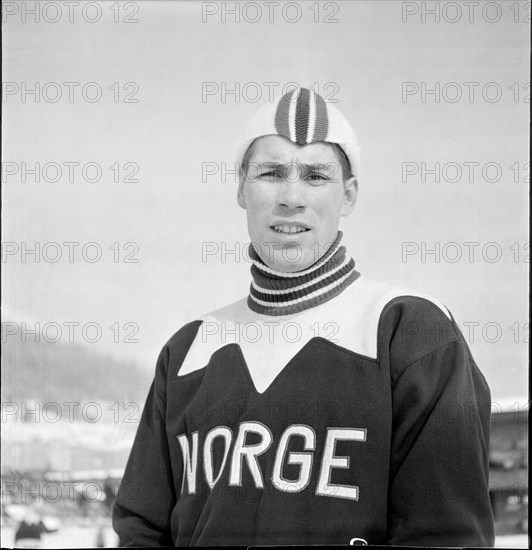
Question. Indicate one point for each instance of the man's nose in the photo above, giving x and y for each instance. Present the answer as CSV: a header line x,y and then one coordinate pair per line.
x,y
292,192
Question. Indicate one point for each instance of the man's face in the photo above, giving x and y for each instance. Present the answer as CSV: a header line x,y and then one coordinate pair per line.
x,y
294,196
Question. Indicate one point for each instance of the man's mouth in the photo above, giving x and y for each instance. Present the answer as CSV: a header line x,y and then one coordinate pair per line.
x,y
289,228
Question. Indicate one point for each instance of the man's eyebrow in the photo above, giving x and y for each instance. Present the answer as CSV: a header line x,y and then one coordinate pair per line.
x,y
306,166
321,165
268,164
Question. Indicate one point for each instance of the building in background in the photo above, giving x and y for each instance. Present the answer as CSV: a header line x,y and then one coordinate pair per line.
x,y
509,466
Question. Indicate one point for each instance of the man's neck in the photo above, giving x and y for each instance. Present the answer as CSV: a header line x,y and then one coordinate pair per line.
x,y
277,293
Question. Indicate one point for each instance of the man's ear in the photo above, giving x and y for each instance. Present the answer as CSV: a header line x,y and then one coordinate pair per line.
x,y
240,198
350,195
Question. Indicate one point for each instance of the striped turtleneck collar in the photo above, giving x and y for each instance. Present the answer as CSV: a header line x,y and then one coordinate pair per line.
x,y
278,293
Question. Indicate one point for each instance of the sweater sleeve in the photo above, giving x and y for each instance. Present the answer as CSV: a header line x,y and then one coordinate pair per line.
x,y
145,500
438,487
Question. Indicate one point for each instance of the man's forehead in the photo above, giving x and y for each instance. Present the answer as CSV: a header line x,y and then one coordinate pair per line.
x,y
279,149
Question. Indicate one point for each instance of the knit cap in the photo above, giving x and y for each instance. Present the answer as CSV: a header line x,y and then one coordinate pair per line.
x,y
302,116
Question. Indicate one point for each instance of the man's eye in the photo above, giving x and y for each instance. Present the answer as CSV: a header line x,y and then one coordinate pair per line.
x,y
317,178
270,175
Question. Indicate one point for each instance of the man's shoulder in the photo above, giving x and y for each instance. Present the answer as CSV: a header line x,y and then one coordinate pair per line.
x,y
392,305
188,331
407,324
377,296
370,311
197,333
233,312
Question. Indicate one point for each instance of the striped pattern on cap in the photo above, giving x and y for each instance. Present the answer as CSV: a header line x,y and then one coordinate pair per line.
x,y
301,117
275,293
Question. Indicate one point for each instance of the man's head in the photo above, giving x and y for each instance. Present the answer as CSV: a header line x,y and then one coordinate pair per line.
x,y
298,177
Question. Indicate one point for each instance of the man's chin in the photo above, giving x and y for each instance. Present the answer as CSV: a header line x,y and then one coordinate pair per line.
x,y
288,265
288,257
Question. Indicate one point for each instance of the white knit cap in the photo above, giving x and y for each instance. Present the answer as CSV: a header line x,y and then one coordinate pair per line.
x,y
302,116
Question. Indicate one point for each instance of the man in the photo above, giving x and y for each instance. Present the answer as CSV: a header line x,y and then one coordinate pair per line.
x,y
323,406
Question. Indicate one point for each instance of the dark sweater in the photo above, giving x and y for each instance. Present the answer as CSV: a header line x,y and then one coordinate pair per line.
x,y
380,433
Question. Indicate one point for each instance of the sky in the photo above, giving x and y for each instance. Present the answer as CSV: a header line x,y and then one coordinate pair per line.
x,y
139,152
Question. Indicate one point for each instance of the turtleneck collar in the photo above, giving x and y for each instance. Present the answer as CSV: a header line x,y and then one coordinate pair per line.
x,y
279,293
